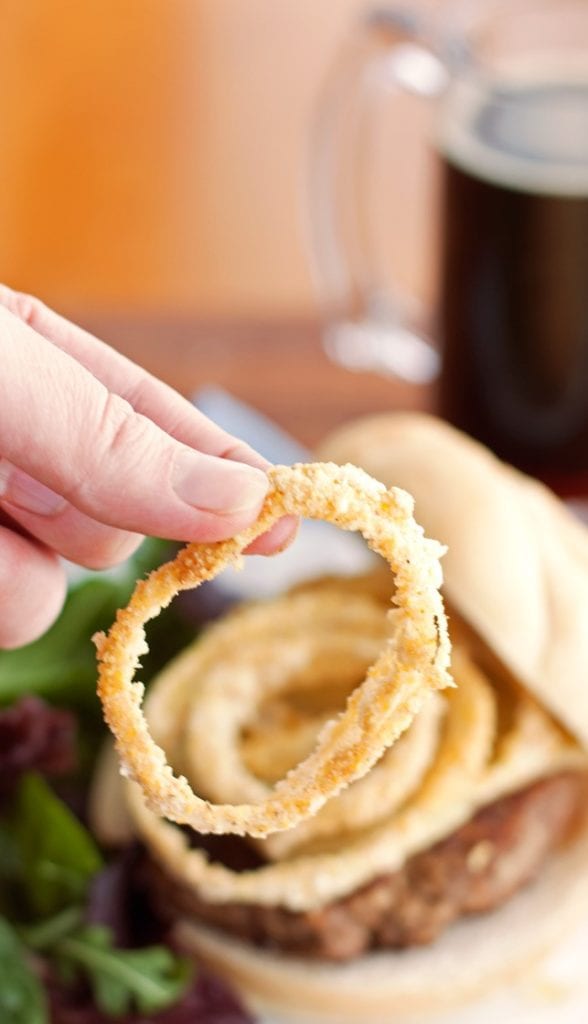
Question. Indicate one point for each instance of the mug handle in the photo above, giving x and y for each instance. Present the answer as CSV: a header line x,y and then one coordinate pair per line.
x,y
367,327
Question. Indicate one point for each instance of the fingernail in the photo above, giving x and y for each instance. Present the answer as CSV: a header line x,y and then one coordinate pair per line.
x,y
277,539
218,485
284,533
26,493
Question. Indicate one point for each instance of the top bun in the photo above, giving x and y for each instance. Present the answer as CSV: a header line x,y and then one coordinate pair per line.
x,y
517,562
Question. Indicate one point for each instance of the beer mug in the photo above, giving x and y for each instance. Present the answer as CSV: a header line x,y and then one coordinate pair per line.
x,y
506,333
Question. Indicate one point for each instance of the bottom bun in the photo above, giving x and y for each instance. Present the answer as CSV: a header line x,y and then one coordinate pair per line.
x,y
472,957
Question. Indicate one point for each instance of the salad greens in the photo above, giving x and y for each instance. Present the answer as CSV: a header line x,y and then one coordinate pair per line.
x,y
57,856
47,857
22,998
147,979
61,665
56,859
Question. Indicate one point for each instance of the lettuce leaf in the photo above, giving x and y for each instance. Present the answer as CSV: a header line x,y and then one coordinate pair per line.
x,y
148,979
57,855
22,999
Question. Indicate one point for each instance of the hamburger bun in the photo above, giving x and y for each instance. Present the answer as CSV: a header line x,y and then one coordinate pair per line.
x,y
516,567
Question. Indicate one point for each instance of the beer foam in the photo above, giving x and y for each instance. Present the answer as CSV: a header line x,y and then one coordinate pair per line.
x,y
527,131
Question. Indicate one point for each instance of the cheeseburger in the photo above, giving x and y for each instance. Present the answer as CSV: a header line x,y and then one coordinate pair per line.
x,y
460,856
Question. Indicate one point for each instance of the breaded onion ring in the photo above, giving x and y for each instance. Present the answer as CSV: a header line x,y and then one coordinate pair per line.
x,y
296,630
473,766
376,796
310,878
309,647
414,661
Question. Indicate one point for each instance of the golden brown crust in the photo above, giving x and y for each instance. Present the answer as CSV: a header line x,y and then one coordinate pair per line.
x,y
472,766
413,663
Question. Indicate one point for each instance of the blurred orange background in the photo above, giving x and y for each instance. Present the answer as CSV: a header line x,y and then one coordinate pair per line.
x,y
153,153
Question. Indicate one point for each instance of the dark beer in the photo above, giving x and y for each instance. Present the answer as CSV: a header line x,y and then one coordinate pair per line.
x,y
514,278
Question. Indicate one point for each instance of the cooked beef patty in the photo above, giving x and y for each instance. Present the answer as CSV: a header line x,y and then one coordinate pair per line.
x,y
474,870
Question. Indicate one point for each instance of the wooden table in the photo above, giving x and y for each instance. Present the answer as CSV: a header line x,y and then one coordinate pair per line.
x,y
280,368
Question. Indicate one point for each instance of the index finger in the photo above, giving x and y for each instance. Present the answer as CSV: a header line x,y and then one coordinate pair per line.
x,y
147,395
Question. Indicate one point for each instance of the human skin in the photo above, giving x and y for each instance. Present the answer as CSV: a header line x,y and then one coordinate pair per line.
x,y
95,453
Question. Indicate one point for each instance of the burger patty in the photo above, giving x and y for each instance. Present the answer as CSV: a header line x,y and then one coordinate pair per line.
x,y
474,870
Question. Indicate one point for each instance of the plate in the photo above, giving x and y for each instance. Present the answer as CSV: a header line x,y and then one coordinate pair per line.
x,y
554,992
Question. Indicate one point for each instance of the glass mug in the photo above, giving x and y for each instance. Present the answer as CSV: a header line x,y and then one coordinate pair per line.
x,y
510,132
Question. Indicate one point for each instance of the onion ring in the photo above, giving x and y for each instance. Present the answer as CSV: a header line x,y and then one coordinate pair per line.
x,y
279,741
307,643
462,777
414,662
442,803
496,741
528,749
296,629
376,796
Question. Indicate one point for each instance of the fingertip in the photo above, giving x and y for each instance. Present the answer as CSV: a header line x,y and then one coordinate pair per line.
x,y
277,539
33,587
112,548
244,453
209,484
284,532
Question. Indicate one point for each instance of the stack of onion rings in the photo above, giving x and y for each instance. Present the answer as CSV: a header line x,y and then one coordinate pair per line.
x,y
472,763
414,660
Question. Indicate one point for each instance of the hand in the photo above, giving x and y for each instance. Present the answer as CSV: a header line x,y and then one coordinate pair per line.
x,y
94,453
